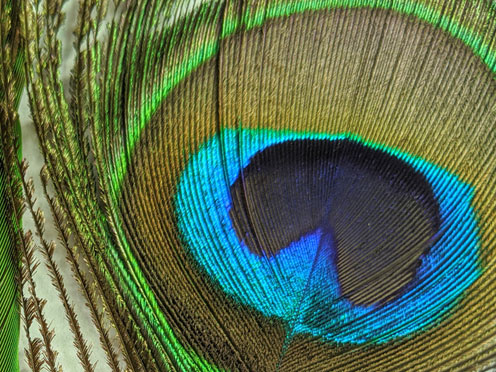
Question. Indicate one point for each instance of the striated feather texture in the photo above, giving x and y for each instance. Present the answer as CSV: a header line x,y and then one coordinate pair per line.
x,y
275,185
11,84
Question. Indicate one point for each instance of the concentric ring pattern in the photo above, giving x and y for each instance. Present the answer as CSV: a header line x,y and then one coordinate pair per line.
x,y
304,186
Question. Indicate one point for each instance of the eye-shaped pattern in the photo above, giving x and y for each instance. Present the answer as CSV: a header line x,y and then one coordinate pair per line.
x,y
309,185
300,282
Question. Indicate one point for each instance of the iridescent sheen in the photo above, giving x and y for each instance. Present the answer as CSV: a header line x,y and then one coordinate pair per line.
x,y
297,286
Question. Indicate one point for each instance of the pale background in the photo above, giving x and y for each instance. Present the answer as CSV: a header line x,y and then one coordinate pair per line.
x,y
54,310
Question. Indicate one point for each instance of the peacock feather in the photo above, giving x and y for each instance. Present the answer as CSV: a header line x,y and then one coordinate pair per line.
x,y
275,185
11,84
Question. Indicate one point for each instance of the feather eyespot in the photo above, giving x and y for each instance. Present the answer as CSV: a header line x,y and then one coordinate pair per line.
x,y
309,192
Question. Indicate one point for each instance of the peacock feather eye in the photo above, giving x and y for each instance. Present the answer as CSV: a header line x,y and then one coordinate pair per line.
x,y
309,186
339,239
278,185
